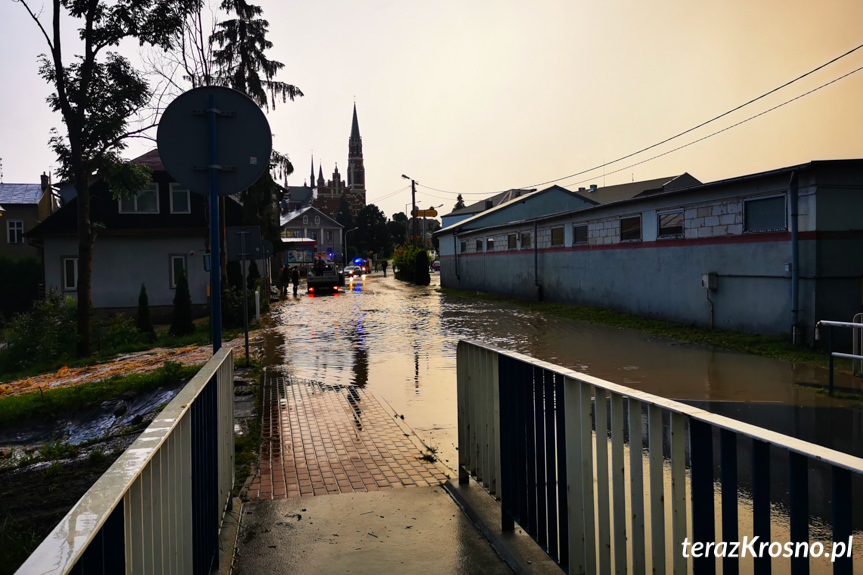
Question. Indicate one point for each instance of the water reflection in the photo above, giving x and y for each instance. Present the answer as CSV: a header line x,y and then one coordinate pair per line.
x,y
399,341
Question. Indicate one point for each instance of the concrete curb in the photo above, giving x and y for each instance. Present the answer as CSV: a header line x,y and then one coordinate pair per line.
x,y
520,552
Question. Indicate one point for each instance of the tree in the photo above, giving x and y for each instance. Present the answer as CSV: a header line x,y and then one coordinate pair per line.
x,y
142,322
96,94
459,203
372,234
182,324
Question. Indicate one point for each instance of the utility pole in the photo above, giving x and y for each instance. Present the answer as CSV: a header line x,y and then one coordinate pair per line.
x,y
413,207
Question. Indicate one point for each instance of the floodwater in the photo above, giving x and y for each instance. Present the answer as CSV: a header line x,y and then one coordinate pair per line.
x,y
399,341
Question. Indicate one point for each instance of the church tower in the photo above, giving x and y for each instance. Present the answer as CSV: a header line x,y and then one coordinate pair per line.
x,y
356,171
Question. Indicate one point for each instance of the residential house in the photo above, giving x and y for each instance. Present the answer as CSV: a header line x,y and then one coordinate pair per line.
x,y
309,232
146,239
754,253
24,206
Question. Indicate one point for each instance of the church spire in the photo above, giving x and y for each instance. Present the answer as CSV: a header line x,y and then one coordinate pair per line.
x,y
355,126
312,173
356,170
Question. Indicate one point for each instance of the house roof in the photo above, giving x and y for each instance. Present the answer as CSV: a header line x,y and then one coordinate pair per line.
x,y
286,219
495,200
151,159
20,194
608,194
300,194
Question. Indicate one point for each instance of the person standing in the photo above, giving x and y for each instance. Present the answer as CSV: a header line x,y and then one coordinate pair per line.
x,y
295,278
384,267
284,278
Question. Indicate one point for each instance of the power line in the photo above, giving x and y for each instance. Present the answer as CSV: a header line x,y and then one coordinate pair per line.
x,y
726,128
762,96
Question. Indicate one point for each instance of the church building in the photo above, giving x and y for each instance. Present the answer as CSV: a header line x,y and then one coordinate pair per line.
x,y
331,192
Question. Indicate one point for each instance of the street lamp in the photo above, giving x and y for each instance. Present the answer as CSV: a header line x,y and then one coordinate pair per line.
x,y
414,204
345,253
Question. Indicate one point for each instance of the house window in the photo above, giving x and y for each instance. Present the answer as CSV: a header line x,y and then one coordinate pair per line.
x,y
70,274
146,202
329,234
670,224
511,242
313,234
317,220
305,219
180,203
525,240
178,266
557,236
764,214
579,234
462,247
15,231
489,244
630,229
479,245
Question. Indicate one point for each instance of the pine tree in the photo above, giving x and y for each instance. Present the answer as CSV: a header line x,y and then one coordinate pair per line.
x,y
143,323
182,322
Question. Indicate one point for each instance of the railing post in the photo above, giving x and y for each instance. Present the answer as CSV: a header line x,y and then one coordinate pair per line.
x,y
701,464
830,358
728,465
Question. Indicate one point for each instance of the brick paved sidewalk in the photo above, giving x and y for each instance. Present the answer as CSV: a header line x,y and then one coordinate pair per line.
x,y
319,439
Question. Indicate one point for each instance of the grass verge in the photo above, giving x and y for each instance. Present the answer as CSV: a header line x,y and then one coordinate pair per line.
x,y
49,403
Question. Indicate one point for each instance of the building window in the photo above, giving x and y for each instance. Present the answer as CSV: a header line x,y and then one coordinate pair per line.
x,y
180,203
305,219
313,234
479,245
670,224
462,247
764,214
511,242
178,266
525,240
317,220
70,274
579,234
557,236
329,235
489,244
146,202
15,231
630,229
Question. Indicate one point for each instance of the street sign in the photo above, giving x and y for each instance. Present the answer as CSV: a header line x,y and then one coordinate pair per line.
x,y
242,148
424,213
244,244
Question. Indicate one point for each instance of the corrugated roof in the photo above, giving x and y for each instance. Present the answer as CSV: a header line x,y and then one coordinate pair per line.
x,y
28,194
495,200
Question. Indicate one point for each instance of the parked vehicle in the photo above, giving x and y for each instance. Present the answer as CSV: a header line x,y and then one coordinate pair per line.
x,y
436,265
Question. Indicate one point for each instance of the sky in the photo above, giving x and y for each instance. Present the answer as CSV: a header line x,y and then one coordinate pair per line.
x,y
480,96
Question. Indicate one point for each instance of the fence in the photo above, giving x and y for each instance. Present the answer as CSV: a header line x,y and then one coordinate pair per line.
x,y
159,507
526,434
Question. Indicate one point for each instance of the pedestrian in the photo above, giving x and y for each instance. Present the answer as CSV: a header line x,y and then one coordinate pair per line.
x,y
284,278
295,278
384,266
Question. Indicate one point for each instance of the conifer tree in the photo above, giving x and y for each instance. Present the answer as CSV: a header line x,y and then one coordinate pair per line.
x,y
182,322
143,323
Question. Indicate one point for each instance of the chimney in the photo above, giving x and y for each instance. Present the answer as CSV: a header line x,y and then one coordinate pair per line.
x,y
46,182
592,187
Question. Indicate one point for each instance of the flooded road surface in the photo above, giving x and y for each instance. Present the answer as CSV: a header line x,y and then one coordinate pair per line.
x,y
399,341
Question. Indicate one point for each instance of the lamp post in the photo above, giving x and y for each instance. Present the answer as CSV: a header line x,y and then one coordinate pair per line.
x,y
414,205
345,253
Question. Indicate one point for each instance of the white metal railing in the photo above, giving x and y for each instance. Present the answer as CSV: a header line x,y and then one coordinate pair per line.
x,y
526,433
159,507
856,355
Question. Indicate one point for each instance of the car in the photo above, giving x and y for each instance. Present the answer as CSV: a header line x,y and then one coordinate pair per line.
x,y
436,265
352,271
363,264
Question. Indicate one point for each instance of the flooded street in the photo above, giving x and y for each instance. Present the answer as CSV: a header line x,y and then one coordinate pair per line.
x,y
399,342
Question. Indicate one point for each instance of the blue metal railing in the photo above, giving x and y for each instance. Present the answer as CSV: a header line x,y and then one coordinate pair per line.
x,y
159,507
526,432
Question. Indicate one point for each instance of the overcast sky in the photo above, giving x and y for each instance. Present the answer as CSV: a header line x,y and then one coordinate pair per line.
x,y
479,96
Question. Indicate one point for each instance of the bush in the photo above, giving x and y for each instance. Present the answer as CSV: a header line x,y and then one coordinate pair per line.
x,y
143,322
18,296
118,332
412,265
182,323
45,335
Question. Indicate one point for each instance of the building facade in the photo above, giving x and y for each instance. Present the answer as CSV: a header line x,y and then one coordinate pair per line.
x,y
756,253
23,207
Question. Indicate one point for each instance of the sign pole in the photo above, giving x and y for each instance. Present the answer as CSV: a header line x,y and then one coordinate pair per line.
x,y
215,254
